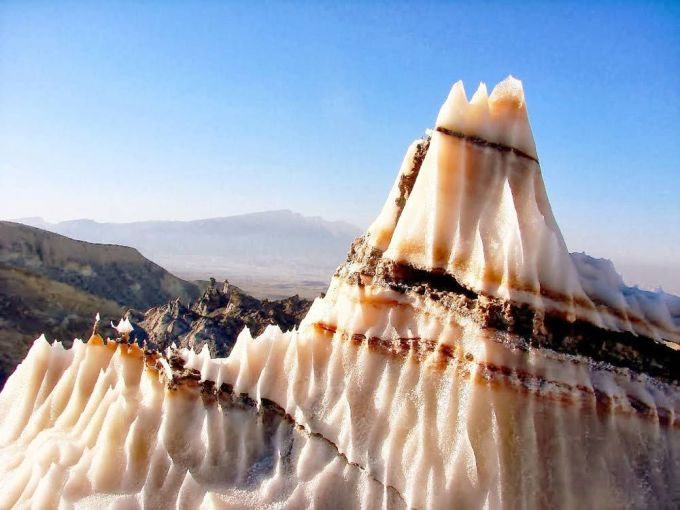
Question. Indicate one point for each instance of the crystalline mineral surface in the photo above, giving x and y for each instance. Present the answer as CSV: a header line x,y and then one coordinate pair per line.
x,y
460,358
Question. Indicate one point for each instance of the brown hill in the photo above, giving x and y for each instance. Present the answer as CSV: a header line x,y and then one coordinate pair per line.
x,y
55,285
32,304
118,273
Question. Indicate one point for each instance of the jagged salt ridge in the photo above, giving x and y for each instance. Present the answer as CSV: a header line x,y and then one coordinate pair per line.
x,y
98,426
104,424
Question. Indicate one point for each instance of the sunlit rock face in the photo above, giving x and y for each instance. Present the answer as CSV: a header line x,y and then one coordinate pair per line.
x,y
460,358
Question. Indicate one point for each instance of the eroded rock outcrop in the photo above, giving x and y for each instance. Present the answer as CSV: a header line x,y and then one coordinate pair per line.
x,y
215,319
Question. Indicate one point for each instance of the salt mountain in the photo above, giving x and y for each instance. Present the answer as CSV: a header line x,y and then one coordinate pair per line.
x,y
460,358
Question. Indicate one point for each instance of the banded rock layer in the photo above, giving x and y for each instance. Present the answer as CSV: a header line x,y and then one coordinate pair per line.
x,y
460,358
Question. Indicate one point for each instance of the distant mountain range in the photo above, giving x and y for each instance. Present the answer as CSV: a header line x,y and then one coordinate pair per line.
x,y
271,254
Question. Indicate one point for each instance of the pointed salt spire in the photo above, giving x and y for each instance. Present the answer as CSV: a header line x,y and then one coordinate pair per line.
x,y
497,119
380,231
124,327
509,93
452,114
508,112
481,96
457,96
477,121
478,208
95,328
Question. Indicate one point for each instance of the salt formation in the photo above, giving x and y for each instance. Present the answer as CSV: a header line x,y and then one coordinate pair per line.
x,y
479,213
460,358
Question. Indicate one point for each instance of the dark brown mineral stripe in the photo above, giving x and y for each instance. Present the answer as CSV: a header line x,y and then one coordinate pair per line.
x,y
421,349
485,143
528,328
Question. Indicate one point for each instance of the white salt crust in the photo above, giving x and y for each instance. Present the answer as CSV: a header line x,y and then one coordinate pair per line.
x,y
91,426
124,326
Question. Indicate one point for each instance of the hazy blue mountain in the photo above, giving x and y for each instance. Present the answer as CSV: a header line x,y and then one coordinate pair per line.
x,y
273,253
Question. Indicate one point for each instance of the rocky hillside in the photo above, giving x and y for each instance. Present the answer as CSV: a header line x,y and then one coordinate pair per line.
x,y
55,285
31,304
118,273
216,319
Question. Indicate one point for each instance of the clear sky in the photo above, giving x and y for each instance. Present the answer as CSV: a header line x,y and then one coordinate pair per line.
x,y
162,110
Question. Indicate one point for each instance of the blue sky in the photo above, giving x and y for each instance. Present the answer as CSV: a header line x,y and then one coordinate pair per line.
x,y
161,110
